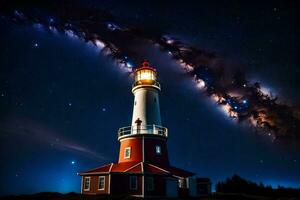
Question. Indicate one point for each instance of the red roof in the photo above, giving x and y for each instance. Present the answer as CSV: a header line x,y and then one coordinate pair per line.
x,y
102,169
149,168
145,65
122,167
179,172
138,167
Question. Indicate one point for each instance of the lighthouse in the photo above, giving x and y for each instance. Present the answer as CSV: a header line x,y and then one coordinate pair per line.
x,y
145,140
143,168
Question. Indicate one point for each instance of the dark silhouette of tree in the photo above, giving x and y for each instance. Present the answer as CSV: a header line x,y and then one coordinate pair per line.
x,y
236,184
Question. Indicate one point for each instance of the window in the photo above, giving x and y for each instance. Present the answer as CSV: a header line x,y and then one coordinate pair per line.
x,y
149,183
127,152
101,185
133,182
181,183
87,181
158,150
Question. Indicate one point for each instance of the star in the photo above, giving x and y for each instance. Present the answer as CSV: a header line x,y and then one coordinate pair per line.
x,y
36,45
2,95
103,109
128,64
69,104
73,162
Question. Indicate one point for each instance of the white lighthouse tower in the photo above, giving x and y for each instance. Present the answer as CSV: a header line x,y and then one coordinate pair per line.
x,y
146,110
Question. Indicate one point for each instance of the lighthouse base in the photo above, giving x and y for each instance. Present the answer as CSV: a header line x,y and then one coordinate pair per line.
x,y
136,179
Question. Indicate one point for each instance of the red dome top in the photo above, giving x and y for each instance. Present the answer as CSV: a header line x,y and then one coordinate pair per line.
x,y
145,65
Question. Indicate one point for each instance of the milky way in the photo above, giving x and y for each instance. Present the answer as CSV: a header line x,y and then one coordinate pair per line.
x,y
227,85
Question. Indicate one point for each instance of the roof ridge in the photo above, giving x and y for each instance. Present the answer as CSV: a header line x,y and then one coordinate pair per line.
x,y
158,168
111,165
132,167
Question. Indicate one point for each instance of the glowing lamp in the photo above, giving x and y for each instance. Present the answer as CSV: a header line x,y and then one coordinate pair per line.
x,y
145,74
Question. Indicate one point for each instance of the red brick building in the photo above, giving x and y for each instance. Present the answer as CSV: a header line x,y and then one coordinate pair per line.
x,y
143,168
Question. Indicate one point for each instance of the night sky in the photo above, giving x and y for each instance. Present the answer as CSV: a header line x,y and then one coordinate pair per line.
x,y
62,100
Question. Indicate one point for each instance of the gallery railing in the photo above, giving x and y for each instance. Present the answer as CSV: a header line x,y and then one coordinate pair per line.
x,y
140,129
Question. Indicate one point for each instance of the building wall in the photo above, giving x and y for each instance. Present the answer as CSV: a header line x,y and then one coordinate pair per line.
x,y
120,184
146,106
171,187
183,189
136,145
94,183
193,187
159,188
136,149
203,186
150,153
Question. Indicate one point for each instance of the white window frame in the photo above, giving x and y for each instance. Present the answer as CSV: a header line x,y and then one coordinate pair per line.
x,y
84,183
125,150
101,177
151,180
133,178
156,148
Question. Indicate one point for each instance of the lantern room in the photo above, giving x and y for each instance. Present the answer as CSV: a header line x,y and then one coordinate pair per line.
x,y
145,75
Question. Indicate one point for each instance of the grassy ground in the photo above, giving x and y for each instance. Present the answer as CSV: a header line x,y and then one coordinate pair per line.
x,y
75,196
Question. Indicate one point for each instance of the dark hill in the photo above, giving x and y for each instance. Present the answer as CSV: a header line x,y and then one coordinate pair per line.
x,y
75,196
